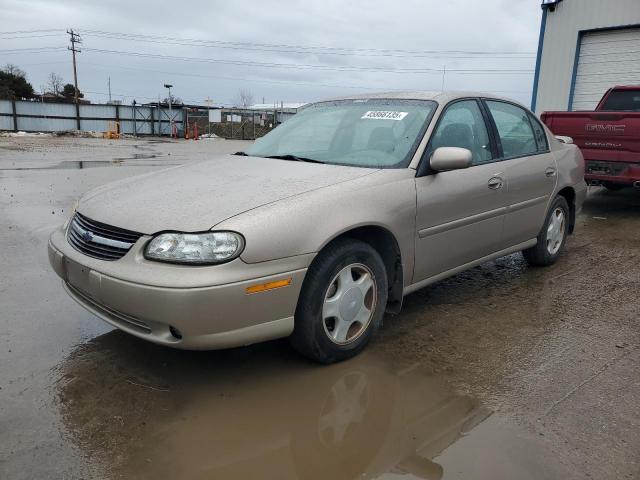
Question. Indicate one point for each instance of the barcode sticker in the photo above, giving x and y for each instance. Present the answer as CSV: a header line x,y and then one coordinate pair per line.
x,y
384,115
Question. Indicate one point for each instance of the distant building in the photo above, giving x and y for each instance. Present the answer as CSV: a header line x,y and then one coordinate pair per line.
x,y
284,110
585,48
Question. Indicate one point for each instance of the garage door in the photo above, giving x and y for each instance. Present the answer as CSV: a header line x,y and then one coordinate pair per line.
x,y
606,59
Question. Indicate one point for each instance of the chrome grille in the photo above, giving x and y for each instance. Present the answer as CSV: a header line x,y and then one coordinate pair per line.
x,y
98,240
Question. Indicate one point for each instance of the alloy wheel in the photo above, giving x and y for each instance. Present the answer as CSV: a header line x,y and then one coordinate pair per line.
x,y
555,231
349,303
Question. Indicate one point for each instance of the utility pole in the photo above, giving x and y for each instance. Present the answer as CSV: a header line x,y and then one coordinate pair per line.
x,y
75,39
444,73
108,83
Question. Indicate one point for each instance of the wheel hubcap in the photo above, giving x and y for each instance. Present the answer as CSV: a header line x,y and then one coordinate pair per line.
x,y
349,303
555,231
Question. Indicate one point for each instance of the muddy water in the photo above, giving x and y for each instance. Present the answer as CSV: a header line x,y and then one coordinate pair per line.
x,y
81,164
259,412
141,411
500,372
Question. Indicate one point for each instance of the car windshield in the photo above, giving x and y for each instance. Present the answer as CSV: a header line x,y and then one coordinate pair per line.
x,y
374,133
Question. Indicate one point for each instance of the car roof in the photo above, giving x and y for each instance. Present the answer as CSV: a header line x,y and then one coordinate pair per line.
x,y
440,97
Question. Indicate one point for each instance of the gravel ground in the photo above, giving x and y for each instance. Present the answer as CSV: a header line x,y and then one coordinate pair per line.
x,y
503,371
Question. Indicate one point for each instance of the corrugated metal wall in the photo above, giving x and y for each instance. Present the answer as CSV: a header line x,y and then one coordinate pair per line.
x,y
6,122
561,39
57,117
606,59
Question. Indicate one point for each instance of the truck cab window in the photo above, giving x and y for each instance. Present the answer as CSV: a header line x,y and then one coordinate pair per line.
x,y
622,101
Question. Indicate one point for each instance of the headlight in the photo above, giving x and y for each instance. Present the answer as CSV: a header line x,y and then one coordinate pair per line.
x,y
195,248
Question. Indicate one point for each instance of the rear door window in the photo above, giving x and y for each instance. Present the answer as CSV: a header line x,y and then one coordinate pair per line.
x,y
514,129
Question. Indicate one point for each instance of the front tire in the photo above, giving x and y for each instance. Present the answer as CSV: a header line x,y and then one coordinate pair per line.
x,y
342,302
552,237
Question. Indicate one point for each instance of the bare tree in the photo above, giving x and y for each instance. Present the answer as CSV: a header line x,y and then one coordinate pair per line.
x,y
174,100
55,83
244,98
12,69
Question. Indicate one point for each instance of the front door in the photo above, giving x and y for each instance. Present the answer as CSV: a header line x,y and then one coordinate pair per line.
x,y
460,213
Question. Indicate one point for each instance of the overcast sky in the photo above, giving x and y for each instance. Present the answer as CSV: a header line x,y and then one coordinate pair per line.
x,y
281,50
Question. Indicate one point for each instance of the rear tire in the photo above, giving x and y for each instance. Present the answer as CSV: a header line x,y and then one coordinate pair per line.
x,y
342,302
552,237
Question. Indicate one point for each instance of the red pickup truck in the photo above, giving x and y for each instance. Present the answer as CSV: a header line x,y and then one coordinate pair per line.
x,y
609,137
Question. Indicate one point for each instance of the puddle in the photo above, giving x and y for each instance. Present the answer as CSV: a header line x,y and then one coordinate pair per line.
x,y
136,156
83,164
259,412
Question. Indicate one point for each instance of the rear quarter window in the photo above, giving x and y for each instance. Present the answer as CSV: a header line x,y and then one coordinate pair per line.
x,y
539,133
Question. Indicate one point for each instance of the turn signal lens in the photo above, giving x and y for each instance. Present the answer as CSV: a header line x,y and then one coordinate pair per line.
x,y
268,286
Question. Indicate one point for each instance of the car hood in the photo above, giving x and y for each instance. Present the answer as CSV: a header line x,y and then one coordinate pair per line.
x,y
195,197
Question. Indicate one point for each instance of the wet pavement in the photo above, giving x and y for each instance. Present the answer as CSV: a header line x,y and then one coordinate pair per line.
x,y
503,371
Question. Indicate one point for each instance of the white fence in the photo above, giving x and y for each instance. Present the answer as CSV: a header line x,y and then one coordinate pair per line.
x,y
55,117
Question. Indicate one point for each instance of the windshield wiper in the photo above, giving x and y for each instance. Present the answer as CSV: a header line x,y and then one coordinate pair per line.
x,y
295,158
242,154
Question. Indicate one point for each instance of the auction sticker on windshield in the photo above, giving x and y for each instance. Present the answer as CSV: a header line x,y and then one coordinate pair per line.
x,y
384,115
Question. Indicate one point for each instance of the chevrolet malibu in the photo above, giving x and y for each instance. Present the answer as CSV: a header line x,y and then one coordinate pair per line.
x,y
323,225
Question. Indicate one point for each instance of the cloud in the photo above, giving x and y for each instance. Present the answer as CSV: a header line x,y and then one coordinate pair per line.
x,y
372,28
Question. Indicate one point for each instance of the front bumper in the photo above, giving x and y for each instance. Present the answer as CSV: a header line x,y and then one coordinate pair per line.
x,y
180,310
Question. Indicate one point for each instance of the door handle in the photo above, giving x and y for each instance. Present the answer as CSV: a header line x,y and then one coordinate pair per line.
x,y
495,183
550,172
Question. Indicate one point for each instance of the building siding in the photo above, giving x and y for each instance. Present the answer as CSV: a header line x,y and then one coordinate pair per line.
x,y
56,117
561,36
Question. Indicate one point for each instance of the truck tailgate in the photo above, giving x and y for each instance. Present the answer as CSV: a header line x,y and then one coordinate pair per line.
x,y
604,136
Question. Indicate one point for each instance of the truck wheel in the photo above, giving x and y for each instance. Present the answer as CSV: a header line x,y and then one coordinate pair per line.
x,y
552,237
342,302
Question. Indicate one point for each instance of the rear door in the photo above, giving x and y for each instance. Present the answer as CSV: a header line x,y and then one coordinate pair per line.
x,y
530,167
460,213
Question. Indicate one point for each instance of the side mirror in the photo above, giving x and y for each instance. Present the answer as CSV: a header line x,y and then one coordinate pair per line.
x,y
450,158
563,139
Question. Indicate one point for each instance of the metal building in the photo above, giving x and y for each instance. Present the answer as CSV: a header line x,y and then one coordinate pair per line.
x,y
585,48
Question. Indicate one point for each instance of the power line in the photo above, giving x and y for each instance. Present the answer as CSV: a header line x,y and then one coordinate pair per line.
x,y
21,37
226,77
30,50
266,81
306,47
301,49
37,64
33,31
306,66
